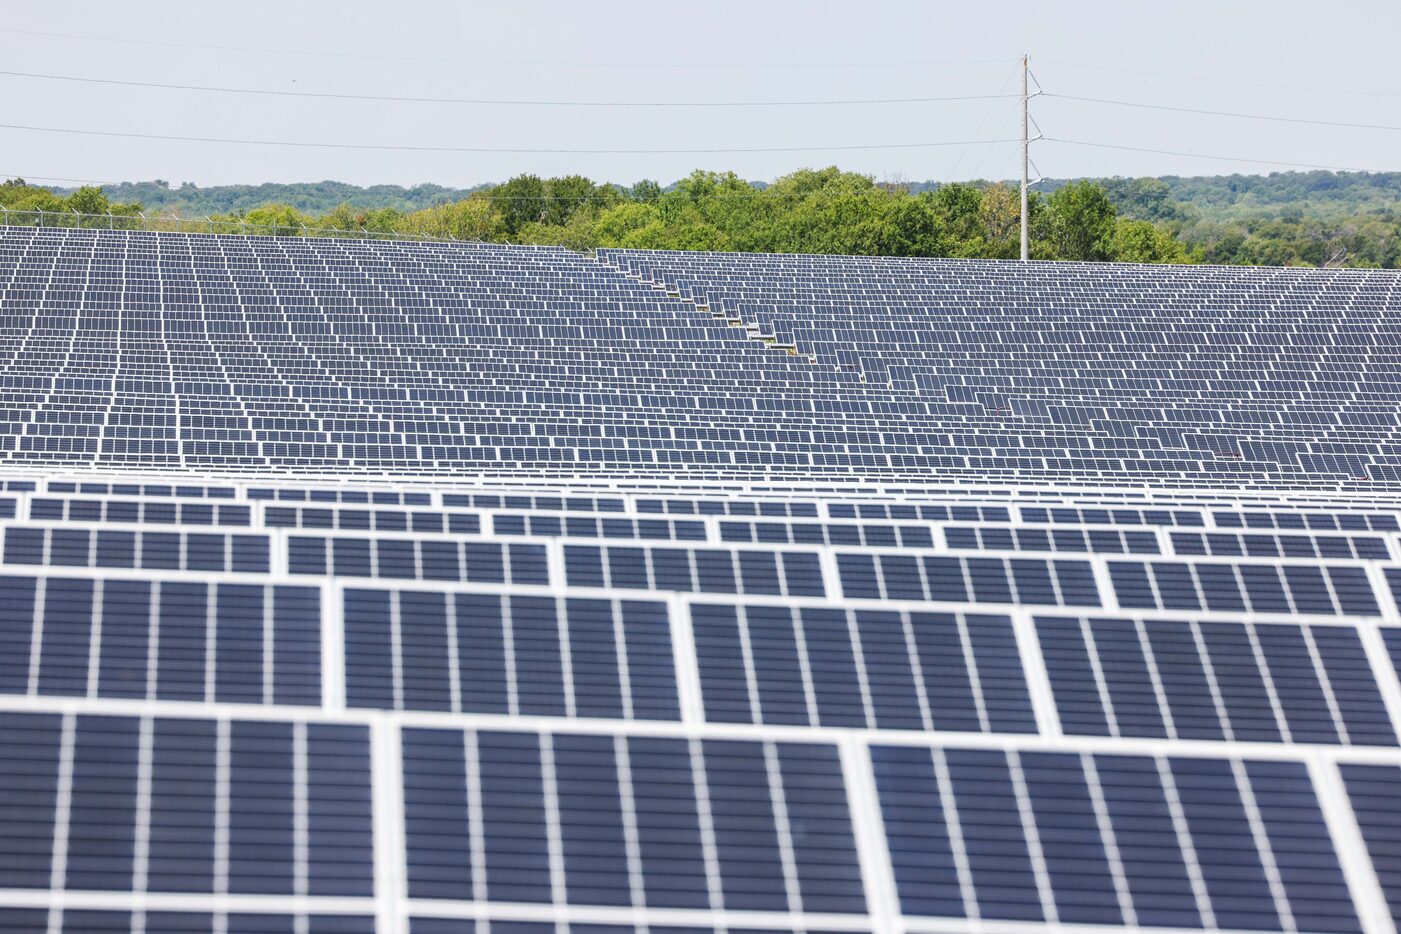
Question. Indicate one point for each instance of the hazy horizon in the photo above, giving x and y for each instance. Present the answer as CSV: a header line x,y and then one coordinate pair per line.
x,y
636,52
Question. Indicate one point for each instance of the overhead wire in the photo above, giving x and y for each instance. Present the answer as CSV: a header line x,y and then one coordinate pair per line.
x,y
966,144
1225,113
1214,80
50,178
504,102
479,149
1198,155
987,151
1201,111
963,153
486,193
507,62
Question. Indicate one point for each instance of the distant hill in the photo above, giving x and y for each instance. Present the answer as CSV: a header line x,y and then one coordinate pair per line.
x,y
1221,198
1314,194
310,197
1209,198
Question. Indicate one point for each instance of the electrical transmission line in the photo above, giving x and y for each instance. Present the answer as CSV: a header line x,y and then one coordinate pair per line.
x,y
507,62
1221,113
485,149
504,102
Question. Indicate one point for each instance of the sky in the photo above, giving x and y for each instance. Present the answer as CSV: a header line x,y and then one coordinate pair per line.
x,y
1281,58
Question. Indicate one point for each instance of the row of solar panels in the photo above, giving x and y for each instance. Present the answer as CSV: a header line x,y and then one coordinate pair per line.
x,y
498,653
97,921
616,518
770,286
1299,455
505,337
1002,538
1254,587
566,463
642,521
91,504
365,257
90,803
1182,457
1345,516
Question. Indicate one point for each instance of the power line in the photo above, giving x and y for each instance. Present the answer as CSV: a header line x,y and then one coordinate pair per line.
x,y
1225,113
494,101
482,149
1199,155
487,194
1001,128
471,61
51,178
1210,80
979,128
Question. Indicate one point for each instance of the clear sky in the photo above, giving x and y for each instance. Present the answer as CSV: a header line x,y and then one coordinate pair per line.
x,y
1261,57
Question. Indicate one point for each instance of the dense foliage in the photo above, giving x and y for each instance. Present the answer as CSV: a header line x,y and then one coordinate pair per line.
x,y
1314,218
1317,194
309,197
1284,219
17,196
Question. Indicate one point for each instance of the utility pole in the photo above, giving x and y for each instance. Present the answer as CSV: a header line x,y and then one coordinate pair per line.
x,y
1026,251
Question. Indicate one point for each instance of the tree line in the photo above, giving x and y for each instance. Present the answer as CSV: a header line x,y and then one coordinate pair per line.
x,y
191,200
820,211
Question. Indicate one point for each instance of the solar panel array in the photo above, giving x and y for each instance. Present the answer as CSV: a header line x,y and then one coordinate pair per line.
x,y
354,586
131,349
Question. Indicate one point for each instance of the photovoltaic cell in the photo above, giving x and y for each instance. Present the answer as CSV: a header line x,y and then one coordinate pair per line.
x,y
479,825
1164,679
160,640
860,668
498,653
100,767
1180,842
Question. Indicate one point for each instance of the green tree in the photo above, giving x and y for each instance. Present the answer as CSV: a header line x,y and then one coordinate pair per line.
x,y
613,227
18,195
474,218
646,191
1138,241
999,211
957,212
1080,222
520,201
87,200
1144,199
810,210
281,220
577,233
566,195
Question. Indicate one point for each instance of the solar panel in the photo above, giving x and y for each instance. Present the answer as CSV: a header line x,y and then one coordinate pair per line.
x,y
394,587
